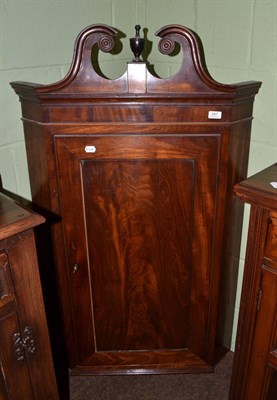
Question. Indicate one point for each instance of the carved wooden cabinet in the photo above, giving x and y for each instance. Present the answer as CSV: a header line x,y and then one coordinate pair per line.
x,y
255,362
139,172
25,356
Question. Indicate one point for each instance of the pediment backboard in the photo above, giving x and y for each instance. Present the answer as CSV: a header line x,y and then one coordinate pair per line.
x,y
192,79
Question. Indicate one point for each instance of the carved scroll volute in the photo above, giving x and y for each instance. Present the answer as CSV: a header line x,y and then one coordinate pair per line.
x,y
193,75
82,76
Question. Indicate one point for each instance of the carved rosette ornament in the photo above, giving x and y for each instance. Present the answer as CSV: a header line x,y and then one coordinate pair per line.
x,y
106,43
166,46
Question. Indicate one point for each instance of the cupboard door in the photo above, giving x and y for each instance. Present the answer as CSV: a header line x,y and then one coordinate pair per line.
x,y
13,363
262,358
139,225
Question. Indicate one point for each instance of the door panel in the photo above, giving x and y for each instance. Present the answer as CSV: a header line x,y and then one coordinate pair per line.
x,y
264,345
139,227
140,252
13,365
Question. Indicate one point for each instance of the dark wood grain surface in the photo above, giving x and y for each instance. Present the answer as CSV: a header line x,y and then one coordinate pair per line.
x,y
145,226
15,219
255,367
29,375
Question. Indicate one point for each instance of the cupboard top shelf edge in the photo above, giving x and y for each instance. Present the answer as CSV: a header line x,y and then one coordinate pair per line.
x,y
258,188
31,92
15,218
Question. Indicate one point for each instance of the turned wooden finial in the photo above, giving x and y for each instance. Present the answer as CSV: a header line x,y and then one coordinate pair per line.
x,y
137,44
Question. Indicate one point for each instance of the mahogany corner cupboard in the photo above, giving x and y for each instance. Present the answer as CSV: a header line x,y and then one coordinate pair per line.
x,y
139,173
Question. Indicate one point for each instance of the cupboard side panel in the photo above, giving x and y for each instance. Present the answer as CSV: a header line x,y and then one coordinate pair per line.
x,y
237,170
37,165
49,244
